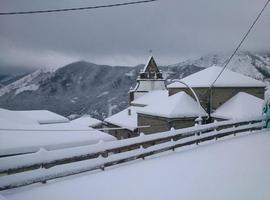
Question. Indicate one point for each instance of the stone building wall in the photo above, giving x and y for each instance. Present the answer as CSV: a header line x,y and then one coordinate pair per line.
x,y
161,124
120,133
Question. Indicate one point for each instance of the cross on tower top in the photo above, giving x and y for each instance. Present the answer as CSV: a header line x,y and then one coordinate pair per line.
x,y
151,52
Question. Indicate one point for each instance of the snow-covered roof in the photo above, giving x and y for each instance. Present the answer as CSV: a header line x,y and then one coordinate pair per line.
x,y
15,117
18,138
179,105
151,97
86,120
240,106
148,62
33,117
123,119
231,169
206,77
43,116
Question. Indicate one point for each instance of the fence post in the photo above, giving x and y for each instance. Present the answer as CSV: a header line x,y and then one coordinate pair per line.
x,y
250,129
266,113
197,133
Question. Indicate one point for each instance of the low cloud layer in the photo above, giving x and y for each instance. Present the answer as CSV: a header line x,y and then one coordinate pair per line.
x,y
175,30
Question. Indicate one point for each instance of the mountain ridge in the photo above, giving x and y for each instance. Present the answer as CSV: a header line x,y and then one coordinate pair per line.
x,y
99,90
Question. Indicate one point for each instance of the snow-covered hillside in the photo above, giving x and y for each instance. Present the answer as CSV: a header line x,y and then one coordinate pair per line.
x,y
27,83
256,65
99,90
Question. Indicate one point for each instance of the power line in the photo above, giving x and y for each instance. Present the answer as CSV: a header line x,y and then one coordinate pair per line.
x,y
241,42
76,9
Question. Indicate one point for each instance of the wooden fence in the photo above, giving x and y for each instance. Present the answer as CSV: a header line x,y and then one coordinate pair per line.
x,y
45,165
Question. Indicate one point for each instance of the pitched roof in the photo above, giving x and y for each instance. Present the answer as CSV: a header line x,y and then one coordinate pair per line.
x,y
43,116
123,119
240,106
179,105
150,63
26,135
206,77
86,120
10,116
30,138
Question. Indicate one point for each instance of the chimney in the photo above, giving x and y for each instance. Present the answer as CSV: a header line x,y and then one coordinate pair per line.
x,y
129,111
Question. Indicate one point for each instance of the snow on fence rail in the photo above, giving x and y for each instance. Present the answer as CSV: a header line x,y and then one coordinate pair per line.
x,y
45,165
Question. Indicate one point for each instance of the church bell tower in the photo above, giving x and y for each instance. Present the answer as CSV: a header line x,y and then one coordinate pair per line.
x,y
150,79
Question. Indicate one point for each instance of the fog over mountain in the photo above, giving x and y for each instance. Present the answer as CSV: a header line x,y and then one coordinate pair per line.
x,y
175,30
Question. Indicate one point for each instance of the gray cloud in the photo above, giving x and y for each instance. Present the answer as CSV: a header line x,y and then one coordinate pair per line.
x,y
174,29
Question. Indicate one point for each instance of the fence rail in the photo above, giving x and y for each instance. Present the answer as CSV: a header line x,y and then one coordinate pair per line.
x,y
45,165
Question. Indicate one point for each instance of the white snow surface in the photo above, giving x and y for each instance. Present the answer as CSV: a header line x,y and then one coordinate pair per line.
x,y
103,94
147,63
30,138
31,87
43,116
2,198
206,77
123,119
179,105
242,62
8,117
86,121
151,97
29,82
240,106
236,168
30,117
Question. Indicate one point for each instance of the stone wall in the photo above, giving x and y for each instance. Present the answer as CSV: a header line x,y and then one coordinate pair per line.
x,y
161,124
120,133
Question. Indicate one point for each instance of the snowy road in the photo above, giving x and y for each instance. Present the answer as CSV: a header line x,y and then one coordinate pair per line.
x,y
236,168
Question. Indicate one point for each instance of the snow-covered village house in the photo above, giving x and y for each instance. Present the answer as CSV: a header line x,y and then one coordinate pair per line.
x,y
123,124
150,82
240,106
227,86
151,108
176,111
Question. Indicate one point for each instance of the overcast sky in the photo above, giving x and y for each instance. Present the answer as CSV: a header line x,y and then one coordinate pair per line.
x,y
174,29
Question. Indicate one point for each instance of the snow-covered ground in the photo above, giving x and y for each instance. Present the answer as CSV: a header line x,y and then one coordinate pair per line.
x,y
237,168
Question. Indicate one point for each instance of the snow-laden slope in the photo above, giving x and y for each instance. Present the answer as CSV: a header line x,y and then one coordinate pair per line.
x,y
256,65
230,169
99,90
27,83
78,88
